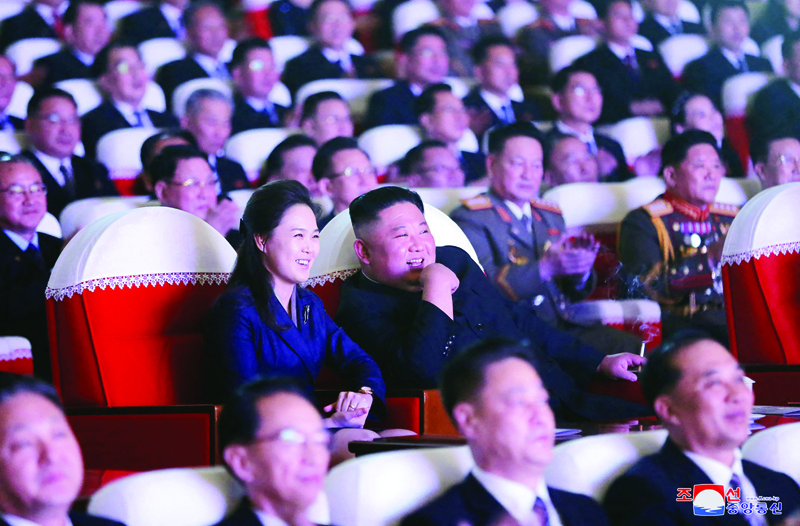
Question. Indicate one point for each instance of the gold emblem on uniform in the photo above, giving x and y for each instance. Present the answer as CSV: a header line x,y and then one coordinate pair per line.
x,y
515,258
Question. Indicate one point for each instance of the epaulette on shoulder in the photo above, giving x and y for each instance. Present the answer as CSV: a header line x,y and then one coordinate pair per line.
x,y
658,208
548,206
479,202
724,209
440,22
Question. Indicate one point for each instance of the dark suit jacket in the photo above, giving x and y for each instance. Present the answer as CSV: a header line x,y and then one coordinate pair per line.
x,y
771,22
22,303
241,346
17,123
708,73
145,24
81,519
243,516
656,33
107,118
646,493
473,164
460,41
246,118
468,502
620,88
411,339
604,142
393,105
231,175
535,40
523,111
63,65
730,157
312,65
91,180
775,110
27,24
285,18
173,74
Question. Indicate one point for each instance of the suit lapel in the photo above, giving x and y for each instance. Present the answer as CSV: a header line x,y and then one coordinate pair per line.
x,y
57,195
293,337
480,502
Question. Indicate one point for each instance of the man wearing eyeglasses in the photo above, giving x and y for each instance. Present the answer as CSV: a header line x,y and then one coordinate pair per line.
x,y
326,115
431,165
183,179
273,441
54,129
26,258
254,75
776,160
343,172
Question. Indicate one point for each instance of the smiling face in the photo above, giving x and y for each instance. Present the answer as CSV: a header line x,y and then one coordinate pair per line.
x,y
397,247
56,128
21,213
783,163
696,179
351,175
126,77
448,121
516,172
292,247
702,115
192,188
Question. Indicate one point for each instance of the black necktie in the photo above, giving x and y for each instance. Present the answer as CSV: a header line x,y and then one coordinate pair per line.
x,y
139,119
269,111
754,519
36,255
540,511
508,114
69,182
743,65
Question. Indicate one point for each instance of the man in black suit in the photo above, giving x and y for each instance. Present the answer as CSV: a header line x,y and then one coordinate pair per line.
x,y
42,469
39,19
86,32
254,75
423,56
26,258
208,118
8,82
462,30
494,101
273,441
662,21
495,397
730,27
332,28
326,115
431,164
54,129
414,306
206,32
123,80
443,118
776,160
635,82
698,390
775,110
163,20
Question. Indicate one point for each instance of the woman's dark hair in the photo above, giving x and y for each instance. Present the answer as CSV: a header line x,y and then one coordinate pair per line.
x,y
262,215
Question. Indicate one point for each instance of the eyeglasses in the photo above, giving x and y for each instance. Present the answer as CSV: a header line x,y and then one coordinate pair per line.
x,y
784,160
55,118
18,190
195,183
359,172
440,169
335,119
296,437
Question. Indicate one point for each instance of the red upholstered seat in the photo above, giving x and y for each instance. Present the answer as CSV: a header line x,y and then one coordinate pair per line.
x,y
736,93
15,355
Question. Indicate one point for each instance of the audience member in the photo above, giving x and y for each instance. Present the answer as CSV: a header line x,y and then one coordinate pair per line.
x,y
494,101
54,129
699,392
41,467
343,172
151,147
208,118
663,21
183,179
495,397
289,17
330,57
292,160
554,22
162,20
254,75
522,242
730,27
86,32
443,118
775,109
431,164
462,30
423,61
412,306
635,82
693,111
776,160
568,160
779,17
273,441
26,258
326,115
37,20
670,249
123,80
8,83
206,33
578,101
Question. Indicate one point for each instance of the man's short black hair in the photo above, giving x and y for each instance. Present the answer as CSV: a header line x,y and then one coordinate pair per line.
x,y
312,102
146,153
71,13
661,374
560,80
274,162
718,6
411,163
239,420
243,48
365,208
103,58
163,165
316,4
462,378
789,40
42,94
481,48
321,166
677,147
502,134
426,102
677,115
410,39
13,384
605,6
761,143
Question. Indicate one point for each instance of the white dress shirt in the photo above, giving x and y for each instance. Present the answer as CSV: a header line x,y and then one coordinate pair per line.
x,y
13,520
342,56
517,499
211,66
174,18
519,212
586,138
53,165
23,244
129,112
732,57
266,520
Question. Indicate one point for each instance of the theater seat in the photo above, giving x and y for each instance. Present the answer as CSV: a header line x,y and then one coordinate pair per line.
x,y
159,51
387,144
737,191
679,50
286,47
26,51
412,14
119,152
50,225
185,90
9,143
355,91
15,355
82,212
564,51
736,93
18,106
771,50
514,16
776,448
85,93
638,136
252,147
118,9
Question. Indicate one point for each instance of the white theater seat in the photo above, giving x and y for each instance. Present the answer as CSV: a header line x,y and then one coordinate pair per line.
x,y
280,95
119,9
182,93
159,51
389,143
26,51
178,497
85,93
10,8
119,151
18,106
750,47
582,9
688,11
355,91
412,14
737,91
515,16
448,199
459,85
252,147
50,225
564,51
154,98
286,47
776,448
771,50
637,135
641,42
9,143
679,50
82,212
737,191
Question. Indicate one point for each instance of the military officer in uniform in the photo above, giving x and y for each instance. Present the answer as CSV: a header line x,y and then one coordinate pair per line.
x,y
522,242
670,249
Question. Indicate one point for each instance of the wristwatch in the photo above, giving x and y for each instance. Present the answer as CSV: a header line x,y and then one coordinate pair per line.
x,y
366,390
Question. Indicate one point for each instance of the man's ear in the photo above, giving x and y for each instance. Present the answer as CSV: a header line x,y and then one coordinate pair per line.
x,y
463,414
236,458
547,178
669,176
555,98
425,121
307,126
184,122
159,189
663,406
362,252
104,81
324,185
759,167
